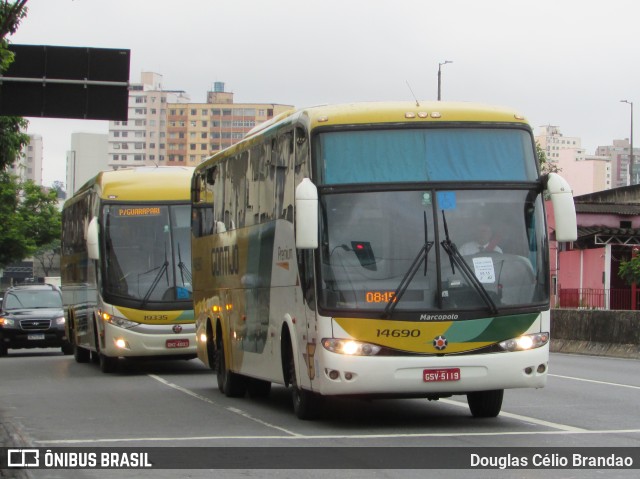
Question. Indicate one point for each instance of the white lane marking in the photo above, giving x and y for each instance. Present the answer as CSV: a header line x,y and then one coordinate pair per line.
x,y
595,382
230,409
560,428
341,436
532,420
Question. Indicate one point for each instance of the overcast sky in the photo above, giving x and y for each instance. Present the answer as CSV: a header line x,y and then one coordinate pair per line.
x,y
560,62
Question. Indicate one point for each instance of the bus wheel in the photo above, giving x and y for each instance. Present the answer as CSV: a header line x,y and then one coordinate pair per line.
x,y
229,383
107,364
485,403
306,404
81,355
257,388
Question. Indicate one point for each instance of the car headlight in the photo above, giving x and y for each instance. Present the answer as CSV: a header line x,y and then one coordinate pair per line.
x,y
350,347
7,322
525,342
60,321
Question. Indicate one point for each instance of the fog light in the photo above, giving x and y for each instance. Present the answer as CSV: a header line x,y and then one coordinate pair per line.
x,y
203,338
333,374
542,368
528,370
121,343
348,376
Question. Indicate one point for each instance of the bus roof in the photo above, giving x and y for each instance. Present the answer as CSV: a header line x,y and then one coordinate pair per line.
x,y
169,183
409,112
372,113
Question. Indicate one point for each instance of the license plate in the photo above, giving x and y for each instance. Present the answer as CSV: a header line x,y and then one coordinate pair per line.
x,y
35,337
177,343
435,375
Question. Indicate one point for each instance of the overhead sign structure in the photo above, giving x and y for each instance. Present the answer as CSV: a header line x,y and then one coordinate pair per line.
x,y
66,82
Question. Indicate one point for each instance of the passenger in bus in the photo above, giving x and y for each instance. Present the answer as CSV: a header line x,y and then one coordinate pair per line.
x,y
485,241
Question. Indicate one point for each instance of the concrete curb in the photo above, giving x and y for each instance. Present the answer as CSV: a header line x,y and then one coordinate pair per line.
x,y
625,351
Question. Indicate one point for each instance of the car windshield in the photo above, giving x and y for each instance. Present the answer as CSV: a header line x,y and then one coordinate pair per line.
x,y
33,299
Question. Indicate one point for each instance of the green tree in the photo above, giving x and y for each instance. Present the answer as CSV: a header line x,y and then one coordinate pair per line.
x,y
29,218
12,138
629,270
48,256
545,165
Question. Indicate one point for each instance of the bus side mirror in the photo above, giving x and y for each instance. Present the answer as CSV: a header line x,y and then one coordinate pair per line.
x,y
306,215
93,250
564,208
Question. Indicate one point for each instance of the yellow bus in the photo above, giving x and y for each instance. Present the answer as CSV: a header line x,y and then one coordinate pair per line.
x,y
336,251
126,266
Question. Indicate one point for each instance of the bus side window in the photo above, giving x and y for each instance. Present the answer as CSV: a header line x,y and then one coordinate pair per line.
x,y
284,195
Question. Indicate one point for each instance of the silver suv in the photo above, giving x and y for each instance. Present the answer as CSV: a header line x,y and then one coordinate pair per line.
x,y
31,316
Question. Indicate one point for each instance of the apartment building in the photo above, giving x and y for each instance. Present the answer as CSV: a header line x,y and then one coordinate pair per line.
x,y
28,165
141,140
618,153
197,130
585,173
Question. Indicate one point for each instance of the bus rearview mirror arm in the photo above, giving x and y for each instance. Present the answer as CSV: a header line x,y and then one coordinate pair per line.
x,y
306,215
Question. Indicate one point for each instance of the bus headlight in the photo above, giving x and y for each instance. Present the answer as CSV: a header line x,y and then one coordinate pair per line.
x,y
525,342
350,347
116,321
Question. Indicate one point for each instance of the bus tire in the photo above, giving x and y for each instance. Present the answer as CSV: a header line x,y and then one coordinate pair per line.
x,y
229,383
81,355
108,364
306,404
485,403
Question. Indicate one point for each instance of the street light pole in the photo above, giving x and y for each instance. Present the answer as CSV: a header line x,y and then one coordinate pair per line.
x,y
632,179
440,76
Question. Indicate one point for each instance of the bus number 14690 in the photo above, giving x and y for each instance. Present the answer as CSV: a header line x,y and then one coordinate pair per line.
x,y
398,333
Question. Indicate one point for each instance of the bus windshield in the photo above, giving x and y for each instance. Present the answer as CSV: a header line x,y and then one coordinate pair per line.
x,y
427,250
440,154
147,252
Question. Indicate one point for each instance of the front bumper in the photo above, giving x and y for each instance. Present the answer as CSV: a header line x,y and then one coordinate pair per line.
x,y
403,376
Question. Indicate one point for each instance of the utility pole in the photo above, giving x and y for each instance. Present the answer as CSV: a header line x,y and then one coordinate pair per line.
x,y
440,77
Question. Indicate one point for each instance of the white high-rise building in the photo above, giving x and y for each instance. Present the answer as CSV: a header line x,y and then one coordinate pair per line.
x,y
86,158
141,140
29,165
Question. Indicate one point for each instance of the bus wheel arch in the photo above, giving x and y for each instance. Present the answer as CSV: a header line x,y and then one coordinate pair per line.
x,y
107,364
229,383
306,404
210,345
81,355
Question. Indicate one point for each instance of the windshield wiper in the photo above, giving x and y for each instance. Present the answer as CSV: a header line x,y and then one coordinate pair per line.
x,y
161,271
411,272
456,258
184,270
